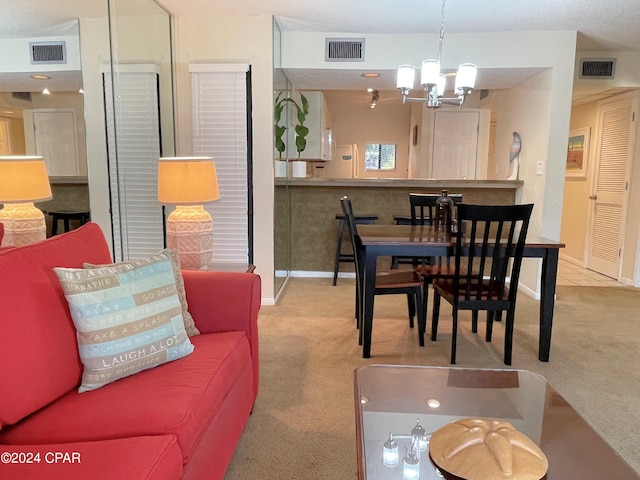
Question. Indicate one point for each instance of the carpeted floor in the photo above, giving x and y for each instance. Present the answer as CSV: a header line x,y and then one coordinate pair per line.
x,y
303,424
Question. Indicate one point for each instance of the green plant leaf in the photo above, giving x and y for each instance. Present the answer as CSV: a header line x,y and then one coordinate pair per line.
x,y
305,104
301,141
277,112
279,132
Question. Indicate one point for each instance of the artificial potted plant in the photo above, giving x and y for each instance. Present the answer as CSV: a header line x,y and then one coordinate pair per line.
x,y
280,165
299,167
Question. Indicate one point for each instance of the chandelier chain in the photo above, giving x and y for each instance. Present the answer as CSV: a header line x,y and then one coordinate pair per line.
x,y
442,22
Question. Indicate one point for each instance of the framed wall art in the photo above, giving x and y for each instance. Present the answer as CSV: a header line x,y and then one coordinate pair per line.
x,y
578,152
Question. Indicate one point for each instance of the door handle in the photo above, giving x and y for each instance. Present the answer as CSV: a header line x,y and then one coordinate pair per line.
x,y
593,197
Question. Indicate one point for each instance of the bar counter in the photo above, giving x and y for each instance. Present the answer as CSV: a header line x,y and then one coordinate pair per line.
x,y
316,201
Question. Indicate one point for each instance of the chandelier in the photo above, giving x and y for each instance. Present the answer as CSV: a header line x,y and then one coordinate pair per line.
x,y
419,441
433,81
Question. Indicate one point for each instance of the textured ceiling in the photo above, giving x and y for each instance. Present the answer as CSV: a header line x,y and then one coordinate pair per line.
x,y
601,24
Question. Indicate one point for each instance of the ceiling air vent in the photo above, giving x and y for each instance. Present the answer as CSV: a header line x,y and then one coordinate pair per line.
x,y
344,50
597,67
48,52
22,95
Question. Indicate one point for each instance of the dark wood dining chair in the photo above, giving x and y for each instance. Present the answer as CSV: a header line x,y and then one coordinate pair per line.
x,y
387,282
422,208
486,254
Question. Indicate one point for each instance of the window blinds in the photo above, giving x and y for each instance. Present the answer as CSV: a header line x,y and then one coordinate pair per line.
x,y
219,105
133,141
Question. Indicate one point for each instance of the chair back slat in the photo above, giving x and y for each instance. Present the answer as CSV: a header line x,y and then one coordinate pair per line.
x,y
423,206
347,209
491,247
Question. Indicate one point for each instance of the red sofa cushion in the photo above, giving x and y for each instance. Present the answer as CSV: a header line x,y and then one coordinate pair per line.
x,y
39,354
151,458
184,396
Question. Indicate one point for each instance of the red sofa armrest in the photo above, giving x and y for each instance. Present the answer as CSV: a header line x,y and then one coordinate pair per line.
x,y
226,301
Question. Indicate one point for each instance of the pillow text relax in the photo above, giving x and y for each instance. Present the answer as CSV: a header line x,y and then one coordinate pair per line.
x,y
128,318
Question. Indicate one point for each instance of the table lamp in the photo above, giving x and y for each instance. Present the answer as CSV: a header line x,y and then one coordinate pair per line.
x,y
23,180
189,182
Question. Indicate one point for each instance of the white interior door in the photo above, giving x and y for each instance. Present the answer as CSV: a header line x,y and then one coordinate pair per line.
x,y
455,144
55,140
610,186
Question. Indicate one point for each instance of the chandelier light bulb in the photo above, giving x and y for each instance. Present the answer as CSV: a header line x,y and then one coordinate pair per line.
x,y
411,468
406,77
430,72
466,78
390,452
441,84
419,437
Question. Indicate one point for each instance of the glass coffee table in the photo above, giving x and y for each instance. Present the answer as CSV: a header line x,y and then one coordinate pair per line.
x,y
391,401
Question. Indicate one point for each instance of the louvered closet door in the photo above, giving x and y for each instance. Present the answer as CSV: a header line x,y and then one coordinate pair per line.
x,y
220,130
613,160
134,149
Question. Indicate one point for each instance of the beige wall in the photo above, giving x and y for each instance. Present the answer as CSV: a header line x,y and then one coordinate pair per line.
x,y
543,126
202,35
355,122
95,55
575,210
16,135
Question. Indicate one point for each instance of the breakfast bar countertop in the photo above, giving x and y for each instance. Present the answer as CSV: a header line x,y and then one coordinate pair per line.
x,y
398,182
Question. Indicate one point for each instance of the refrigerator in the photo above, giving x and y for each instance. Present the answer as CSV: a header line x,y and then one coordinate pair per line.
x,y
344,164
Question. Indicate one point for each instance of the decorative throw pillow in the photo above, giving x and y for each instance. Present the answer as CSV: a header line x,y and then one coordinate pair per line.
x,y
128,318
189,324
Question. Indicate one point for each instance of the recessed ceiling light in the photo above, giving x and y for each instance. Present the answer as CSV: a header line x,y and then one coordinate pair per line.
x,y
40,77
370,75
433,403
8,112
46,92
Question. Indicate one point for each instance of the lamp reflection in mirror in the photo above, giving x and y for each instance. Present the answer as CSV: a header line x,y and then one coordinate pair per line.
x,y
188,183
23,180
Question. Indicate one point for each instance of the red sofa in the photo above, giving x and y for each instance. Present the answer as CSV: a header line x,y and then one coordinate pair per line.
x,y
180,420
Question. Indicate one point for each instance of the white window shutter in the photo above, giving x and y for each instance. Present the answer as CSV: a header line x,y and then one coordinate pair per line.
x,y
220,130
133,135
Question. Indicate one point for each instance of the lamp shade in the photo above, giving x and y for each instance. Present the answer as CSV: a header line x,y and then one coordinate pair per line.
x,y
405,77
23,179
430,72
187,180
466,77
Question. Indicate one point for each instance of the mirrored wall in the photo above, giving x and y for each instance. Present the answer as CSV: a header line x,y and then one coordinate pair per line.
x,y
97,103
282,201
138,88
42,97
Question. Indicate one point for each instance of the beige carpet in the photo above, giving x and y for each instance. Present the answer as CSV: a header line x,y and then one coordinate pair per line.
x,y
303,423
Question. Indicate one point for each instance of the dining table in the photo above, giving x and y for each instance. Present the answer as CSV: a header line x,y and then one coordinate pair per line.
x,y
426,241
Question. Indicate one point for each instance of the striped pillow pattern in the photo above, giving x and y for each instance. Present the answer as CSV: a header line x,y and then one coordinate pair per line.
x,y
128,318
189,324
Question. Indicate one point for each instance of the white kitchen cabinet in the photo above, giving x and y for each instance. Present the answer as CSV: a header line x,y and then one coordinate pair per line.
x,y
320,143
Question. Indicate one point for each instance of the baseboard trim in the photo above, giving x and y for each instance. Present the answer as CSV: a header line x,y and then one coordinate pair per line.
x,y
311,274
